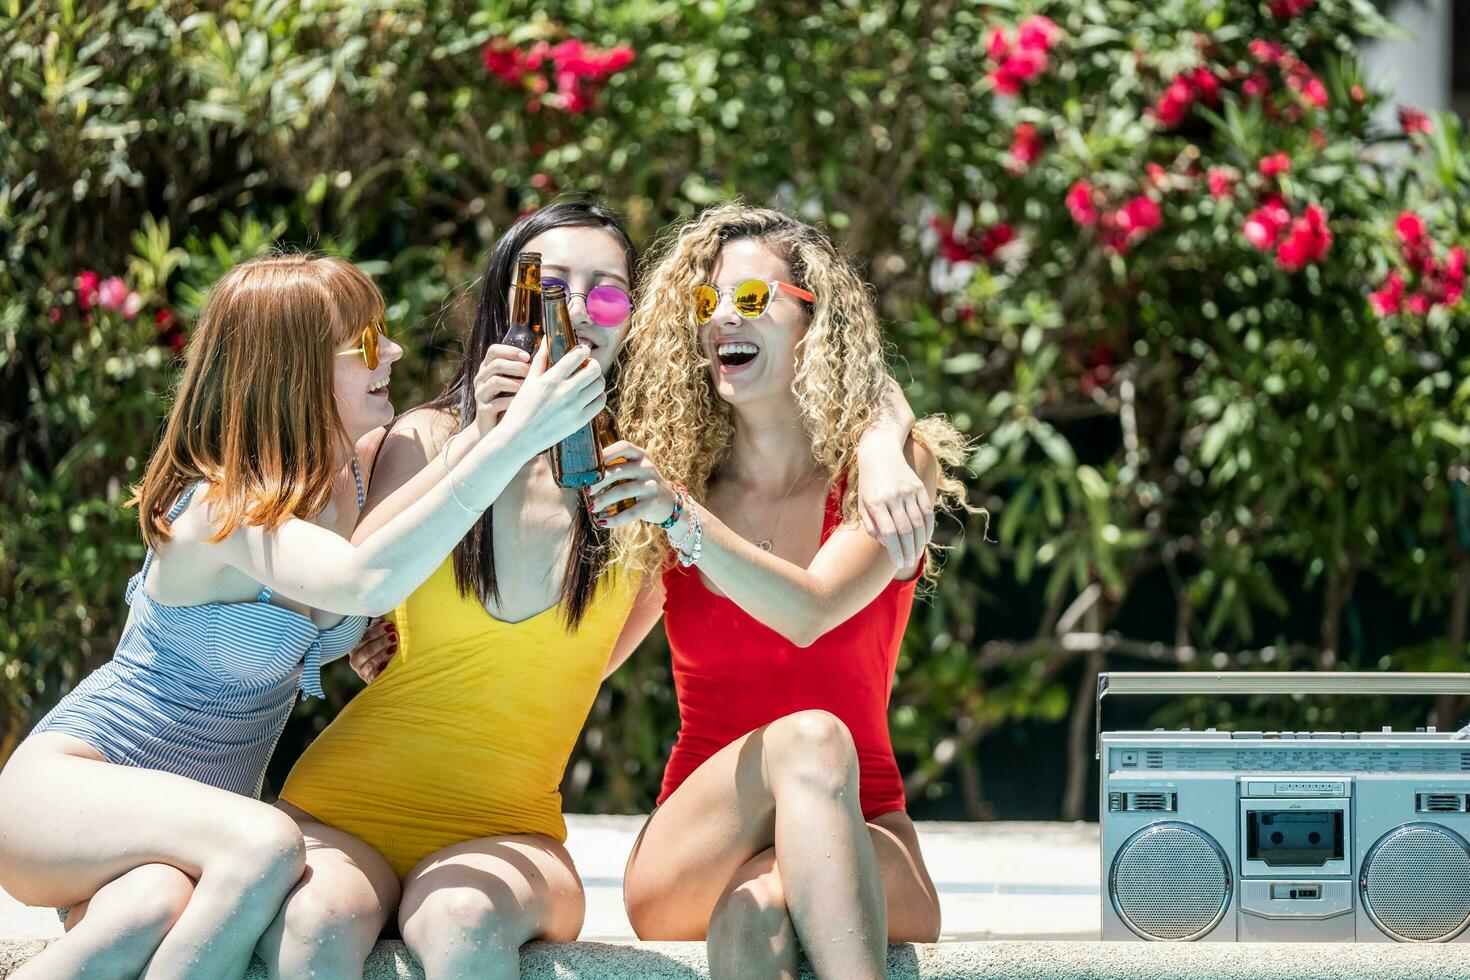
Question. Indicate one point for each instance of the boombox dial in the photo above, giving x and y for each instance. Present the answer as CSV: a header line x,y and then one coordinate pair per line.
x,y
1415,883
1170,881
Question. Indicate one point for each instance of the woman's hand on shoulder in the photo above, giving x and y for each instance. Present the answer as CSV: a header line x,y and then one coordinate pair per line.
x,y
630,475
895,505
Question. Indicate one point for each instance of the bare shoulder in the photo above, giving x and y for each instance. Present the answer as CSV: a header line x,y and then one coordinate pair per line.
x,y
410,443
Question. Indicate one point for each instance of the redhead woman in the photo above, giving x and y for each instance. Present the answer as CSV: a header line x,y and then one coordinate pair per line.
x,y
435,794
134,801
754,360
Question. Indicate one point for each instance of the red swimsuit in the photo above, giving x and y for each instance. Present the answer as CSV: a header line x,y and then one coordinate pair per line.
x,y
733,675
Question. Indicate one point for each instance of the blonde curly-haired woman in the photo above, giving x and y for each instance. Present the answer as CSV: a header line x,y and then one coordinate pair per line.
x,y
752,365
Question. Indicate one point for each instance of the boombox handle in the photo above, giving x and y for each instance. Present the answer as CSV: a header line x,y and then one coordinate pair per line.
x,y
1269,682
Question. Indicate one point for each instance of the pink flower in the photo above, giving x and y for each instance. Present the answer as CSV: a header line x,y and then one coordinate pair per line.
x,y
1388,299
1080,204
86,288
1256,86
1275,165
1266,52
132,305
994,238
55,315
1019,66
997,44
1308,240
1420,304
112,294
1037,33
1221,181
1357,94
1413,121
1265,223
1025,147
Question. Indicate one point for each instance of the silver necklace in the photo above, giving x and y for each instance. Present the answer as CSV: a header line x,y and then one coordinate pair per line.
x,y
765,543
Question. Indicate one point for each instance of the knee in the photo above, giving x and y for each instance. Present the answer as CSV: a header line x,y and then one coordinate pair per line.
x,y
813,748
263,852
459,917
325,915
157,895
753,919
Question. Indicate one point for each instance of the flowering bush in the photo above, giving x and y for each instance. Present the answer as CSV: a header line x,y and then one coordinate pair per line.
x,y
1206,324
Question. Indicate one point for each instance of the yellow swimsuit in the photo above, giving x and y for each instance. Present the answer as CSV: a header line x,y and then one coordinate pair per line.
x,y
466,732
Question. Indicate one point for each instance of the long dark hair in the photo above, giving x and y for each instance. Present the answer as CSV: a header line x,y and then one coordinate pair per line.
x,y
474,556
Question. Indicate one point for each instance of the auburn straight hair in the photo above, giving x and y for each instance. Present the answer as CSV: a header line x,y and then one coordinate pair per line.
x,y
254,414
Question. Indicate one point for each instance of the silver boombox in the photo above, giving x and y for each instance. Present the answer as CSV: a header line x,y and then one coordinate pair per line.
x,y
1285,836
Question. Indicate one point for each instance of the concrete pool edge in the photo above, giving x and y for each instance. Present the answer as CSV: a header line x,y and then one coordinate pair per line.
x,y
999,960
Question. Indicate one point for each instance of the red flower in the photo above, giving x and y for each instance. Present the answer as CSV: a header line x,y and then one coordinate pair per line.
x,y
1413,121
1304,81
1308,240
55,315
1038,33
1420,304
1410,227
1019,66
1140,215
1289,8
1388,299
1275,165
1206,85
1221,181
87,282
1357,94
1174,104
1080,204
503,60
540,181
165,319
1257,86
1265,223
994,238
1025,147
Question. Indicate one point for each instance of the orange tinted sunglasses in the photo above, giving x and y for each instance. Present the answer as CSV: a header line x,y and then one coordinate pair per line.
x,y
369,346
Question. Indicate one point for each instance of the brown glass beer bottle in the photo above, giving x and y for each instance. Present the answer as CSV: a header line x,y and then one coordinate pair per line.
x,y
526,330
576,461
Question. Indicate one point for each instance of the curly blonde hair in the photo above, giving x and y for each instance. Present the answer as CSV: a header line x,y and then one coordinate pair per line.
x,y
667,401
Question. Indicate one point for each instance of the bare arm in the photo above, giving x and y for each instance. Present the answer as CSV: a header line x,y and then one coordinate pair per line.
x,y
801,604
374,573
893,503
647,610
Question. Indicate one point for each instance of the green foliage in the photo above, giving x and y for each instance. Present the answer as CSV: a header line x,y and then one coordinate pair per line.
x,y
1185,446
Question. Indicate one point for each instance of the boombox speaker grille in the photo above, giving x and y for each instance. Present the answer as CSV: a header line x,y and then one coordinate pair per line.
x,y
1415,883
1170,881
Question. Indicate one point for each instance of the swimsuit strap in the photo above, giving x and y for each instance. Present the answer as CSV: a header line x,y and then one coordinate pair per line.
x,y
170,517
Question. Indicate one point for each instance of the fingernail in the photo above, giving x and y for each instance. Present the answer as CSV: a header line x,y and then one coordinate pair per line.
x,y
602,522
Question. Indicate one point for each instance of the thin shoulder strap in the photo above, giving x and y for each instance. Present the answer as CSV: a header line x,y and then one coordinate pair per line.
x,y
170,517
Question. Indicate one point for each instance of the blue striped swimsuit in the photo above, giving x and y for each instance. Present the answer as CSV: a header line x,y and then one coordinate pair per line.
x,y
202,691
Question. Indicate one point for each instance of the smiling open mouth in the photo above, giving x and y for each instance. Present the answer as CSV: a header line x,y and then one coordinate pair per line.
x,y
381,386
734,354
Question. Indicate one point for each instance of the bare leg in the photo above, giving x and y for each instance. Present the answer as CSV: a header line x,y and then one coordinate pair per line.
x,y
73,823
118,931
468,908
332,918
751,933
791,785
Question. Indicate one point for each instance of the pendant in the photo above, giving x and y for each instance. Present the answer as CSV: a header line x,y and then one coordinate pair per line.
x,y
765,546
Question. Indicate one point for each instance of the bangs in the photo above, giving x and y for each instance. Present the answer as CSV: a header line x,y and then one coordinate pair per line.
x,y
356,300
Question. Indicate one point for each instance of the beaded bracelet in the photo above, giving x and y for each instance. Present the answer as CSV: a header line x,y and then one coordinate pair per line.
x,y
679,495
697,532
